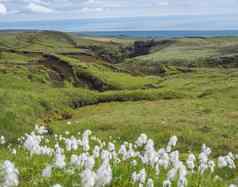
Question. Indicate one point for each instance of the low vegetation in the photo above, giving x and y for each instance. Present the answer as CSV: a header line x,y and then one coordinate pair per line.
x,y
83,159
68,83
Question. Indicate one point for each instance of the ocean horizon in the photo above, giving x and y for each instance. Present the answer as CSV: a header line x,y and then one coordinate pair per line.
x,y
149,27
162,34
144,34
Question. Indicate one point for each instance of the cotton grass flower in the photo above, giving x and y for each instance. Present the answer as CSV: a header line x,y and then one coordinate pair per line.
x,y
2,140
41,130
59,160
14,151
89,163
47,171
9,174
88,178
104,174
32,144
172,143
233,185
57,185
191,162
139,177
226,161
93,159
150,183
141,140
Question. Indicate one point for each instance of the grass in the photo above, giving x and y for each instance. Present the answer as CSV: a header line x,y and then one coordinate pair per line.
x,y
99,41
192,51
37,41
114,77
119,80
199,106
8,57
180,54
27,95
31,167
208,111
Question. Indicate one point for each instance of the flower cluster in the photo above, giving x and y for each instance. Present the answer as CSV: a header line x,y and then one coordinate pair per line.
x,y
97,163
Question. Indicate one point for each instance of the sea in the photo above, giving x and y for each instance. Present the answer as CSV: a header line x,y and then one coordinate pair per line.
x,y
162,34
152,27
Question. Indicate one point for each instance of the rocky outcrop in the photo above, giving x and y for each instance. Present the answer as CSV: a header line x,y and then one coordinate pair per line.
x,y
144,47
119,53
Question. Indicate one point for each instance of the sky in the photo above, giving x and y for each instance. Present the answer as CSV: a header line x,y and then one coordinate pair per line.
x,y
170,14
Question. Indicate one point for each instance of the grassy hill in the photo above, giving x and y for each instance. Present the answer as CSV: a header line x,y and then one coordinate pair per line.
x,y
33,80
38,68
185,88
193,50
187,52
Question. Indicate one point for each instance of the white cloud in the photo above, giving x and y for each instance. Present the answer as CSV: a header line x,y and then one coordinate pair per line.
x,y
77,9
37,8
90,1
165,3
3,9
41,2
88,9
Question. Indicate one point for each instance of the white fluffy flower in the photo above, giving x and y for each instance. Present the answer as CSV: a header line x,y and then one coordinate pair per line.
x,y
41,130
182,182
150,183
47,171
140,177
2,140
191,161
59,160
211,165
104,174
232,185
221,162
71,143
14,151
172,143
171,175
89,163
32,144
122,150
88,178
226,161
56,185
111,147
133,162
85,140
10,174
141,140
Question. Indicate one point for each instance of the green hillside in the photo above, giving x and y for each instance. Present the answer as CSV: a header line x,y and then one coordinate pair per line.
x,y
193,50
187,87
186,52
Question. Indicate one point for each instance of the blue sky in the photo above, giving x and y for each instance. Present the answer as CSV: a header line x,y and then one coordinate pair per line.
x,y
170,13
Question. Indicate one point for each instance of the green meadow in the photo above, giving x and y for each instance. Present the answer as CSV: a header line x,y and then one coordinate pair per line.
x,y
179,89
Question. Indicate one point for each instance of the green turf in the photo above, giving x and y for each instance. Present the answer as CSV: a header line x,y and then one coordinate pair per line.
x,y
199,105
192,50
